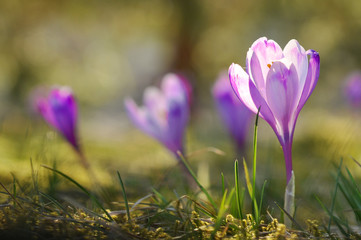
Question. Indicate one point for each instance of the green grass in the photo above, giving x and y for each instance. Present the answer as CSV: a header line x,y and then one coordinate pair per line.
x,y
349,189
150,199
42,210
41,216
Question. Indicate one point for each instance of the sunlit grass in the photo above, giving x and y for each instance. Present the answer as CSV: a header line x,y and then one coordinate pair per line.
x,y
155,215
147,169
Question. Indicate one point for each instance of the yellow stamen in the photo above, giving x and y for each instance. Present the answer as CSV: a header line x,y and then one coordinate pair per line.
x,y
269,65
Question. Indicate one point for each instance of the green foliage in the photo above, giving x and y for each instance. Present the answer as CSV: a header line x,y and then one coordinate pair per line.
x,y
124,196
239,192
154,216
210,199
89,194
350,190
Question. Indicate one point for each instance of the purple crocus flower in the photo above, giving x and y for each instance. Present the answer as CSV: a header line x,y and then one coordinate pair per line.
x,y
353,89
188,88
59,109
280,82
165,113
235,115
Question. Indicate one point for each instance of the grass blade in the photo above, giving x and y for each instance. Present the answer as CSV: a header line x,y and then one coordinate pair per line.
x,y
11,195
352,194
336,220
14,190
262,193
140,200
163,201
254,200
34,177
334,195
52,200
210,199
124,195
20,187
223,185
91,196
239,203
255,155
290,217
204,209
248,181
354,185
250,192
222,209
359,164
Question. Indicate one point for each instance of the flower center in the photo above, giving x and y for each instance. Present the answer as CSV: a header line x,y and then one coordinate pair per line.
x,y
162,116
269,65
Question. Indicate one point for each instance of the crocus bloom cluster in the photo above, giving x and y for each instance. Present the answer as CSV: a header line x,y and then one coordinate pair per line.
x,y
235,115
165,113
279,82
59,109
353,89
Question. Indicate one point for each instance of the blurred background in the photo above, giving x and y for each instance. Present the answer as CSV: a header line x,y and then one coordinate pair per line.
x,y
108,50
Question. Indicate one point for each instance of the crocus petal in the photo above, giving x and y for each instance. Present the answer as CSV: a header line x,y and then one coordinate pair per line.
x,y
282,89
59,109
228,104
255,72
311,79
226,108
176,86
165,112
136,114
141,118
177,121
267,51
44,109
248,93
153,98
173,88
177,106
188,88
235,115
352,89
64,109
240,83
295,53
156,105
65,95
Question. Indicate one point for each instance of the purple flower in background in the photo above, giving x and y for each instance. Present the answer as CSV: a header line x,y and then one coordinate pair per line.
x,y
353,89
165,113
188,88
280,82
235,115
59,109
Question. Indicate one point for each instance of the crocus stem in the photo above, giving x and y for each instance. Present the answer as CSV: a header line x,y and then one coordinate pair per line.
x,y
289,206
85,163
287,152
241,150
188,176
